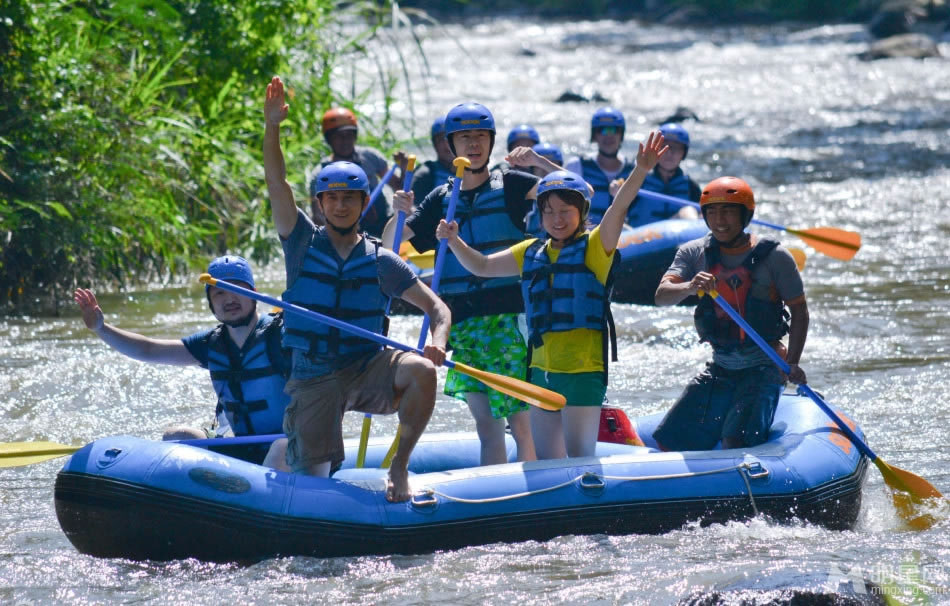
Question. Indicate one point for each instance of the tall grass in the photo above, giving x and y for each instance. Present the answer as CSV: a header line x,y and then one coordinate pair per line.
x,y
130,130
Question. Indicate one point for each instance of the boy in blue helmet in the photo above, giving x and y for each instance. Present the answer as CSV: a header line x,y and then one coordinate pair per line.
x,y
565,288
669,179
607,127
248,367
340,272
491,210
433,173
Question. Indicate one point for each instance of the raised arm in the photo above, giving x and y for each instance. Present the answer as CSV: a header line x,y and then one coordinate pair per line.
x,y
283,207
612,223
133,345
495,265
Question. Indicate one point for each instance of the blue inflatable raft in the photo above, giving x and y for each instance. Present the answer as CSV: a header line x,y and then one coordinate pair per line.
x,y
132,498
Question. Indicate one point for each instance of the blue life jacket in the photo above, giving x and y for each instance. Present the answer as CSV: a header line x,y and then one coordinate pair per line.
x,y
346,290
486,226
566,294
645,210
596,178
250,381
766,316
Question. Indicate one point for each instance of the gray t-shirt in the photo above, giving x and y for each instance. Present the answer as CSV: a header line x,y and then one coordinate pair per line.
x,y
778,272
395,277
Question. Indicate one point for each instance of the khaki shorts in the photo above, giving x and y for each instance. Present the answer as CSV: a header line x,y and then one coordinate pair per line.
x,y
313,420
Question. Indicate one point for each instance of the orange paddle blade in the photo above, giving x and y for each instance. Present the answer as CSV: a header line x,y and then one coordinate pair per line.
x,y
900,479
516,388
834,242
799,256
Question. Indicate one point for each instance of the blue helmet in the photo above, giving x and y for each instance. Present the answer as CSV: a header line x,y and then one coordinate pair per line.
x,y
549,151
231,268
607,116
341,176
561,180
468,116
523,131
438,127
674,132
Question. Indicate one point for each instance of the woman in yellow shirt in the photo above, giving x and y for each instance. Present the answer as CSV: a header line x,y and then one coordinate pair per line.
x,y
564,285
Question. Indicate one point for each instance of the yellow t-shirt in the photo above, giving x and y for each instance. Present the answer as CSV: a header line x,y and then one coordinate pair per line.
x,y
578,349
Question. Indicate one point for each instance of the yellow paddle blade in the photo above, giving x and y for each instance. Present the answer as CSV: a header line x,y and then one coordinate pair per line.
x,y
831,241
18,454
516,388
799,256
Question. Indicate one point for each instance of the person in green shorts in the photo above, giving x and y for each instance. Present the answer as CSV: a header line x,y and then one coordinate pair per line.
x,y
565,284
492,205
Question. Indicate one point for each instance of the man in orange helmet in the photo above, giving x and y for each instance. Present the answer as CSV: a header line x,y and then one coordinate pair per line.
x,y
340,130
734,398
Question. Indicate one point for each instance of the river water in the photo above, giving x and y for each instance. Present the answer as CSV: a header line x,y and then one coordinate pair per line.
x,y
823,138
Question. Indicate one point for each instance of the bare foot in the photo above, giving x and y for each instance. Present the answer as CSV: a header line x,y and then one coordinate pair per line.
x,y
397,485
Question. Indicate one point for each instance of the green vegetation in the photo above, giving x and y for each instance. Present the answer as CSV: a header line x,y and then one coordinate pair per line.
x,y
130,131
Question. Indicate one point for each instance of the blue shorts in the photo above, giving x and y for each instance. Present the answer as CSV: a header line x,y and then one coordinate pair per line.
x,y
722,403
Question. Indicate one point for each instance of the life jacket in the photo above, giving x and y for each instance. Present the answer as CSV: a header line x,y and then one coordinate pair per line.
x,y
767,316
347,290
566,294
486,226
250,381
646,210
596,178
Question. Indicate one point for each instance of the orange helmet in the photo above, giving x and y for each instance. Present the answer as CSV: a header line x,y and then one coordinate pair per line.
x,y
728,190
338,117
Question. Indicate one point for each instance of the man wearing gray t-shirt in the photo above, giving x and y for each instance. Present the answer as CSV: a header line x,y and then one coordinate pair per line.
x,y
734,398
338,271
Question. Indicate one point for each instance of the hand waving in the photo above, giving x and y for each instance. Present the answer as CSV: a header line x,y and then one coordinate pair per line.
x,y
275,110
91,312
648,155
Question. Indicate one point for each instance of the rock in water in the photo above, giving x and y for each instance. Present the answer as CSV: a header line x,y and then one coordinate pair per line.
x,y
917,46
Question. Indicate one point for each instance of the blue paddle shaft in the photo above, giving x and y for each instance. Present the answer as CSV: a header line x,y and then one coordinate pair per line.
x,y
804,388
378,190
652,195
315,316
440,254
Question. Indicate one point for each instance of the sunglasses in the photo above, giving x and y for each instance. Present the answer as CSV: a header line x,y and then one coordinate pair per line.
x,y
608,130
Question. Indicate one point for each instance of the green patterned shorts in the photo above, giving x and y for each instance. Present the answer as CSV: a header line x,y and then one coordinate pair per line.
x,y
494,344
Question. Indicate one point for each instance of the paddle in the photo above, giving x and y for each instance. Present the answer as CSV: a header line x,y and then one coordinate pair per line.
x,y
834,242
460,165
530,394
18,454
397,239
896,478
379,189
